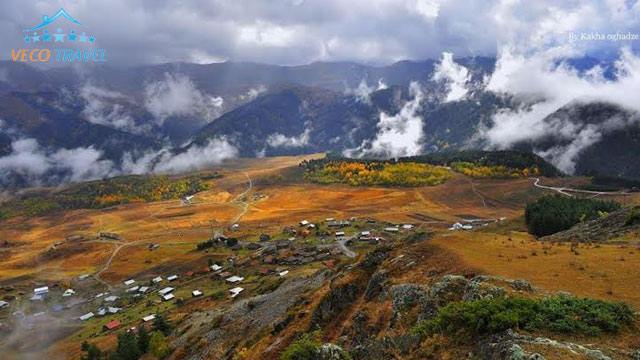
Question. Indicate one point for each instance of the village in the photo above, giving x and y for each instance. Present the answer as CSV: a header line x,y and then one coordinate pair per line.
x,y
239,268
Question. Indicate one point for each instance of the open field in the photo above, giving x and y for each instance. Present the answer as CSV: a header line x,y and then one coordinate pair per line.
x,y
267,195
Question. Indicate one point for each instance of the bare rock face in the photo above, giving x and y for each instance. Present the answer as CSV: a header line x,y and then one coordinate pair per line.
x,y
330,351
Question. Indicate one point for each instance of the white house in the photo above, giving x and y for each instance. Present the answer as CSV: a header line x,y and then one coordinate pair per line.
x,y
129,282
41,290
172,277
111,298
87,316
3,304
114,310
216,267
168,297
304,223
235,291
165,291
365,233
339,233
196,293
407,226
132,289
143,289
157,279
392,229
235,279
149,318
68,293
283,273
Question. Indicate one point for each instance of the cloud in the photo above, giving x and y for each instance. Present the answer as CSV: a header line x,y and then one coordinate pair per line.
x,y
542,83
33,163
37,165
378,31
455,77
279,140
106,107
177,95
363,91
398,135
252,93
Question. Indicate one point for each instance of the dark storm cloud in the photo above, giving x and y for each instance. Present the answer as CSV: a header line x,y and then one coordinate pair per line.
x,y
299,31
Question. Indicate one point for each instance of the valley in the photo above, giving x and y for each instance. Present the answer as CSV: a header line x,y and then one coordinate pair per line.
x,y
249,222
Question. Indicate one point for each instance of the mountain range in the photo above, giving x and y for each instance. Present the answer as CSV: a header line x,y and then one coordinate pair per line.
x,y
136,119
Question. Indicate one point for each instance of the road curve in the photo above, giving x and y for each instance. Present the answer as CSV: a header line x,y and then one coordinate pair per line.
x,y
566,190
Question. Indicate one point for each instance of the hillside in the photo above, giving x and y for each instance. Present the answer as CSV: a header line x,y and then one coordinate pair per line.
x,y
379,263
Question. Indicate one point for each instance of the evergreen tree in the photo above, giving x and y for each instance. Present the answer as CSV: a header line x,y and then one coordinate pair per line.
x,y
143,339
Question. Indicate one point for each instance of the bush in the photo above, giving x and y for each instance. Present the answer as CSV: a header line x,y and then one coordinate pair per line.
x,y
158,346
634,217
305,348
561,314
551,214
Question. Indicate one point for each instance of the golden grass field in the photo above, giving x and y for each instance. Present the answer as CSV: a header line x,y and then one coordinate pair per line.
x,y
606,271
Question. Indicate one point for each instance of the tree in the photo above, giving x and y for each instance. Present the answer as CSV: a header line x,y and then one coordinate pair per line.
x,y
128,348
162,325
143,339
93,352
158,346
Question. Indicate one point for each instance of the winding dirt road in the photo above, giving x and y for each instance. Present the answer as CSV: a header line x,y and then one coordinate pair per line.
x,y
566,191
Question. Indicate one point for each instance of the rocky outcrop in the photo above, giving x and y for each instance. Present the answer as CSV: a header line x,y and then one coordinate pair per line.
x,y
376,284
338,299
330,351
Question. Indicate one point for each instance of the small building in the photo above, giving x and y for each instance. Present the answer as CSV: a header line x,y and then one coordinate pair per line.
x,y
133,289
365,233
392,229
87,316
283,273
157,279
236,291
3,304
153,247
235,279
196,293
172,278
165,291
235,227
143,289
407,226
113,310
41,290
149,318
83,276
215,267
68,293
111,325
111,298
304,223
37,297
339,233
129,282
168,297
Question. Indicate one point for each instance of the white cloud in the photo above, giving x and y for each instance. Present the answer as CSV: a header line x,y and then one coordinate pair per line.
x,y
543,86
252,93
455,77
398,135
29,160
363,91
106,107
177,95
279,140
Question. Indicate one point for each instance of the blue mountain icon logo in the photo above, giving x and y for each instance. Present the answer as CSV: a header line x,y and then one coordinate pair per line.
x,y
48,20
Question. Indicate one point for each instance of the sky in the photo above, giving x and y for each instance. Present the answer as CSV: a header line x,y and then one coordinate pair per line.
x,y
292,32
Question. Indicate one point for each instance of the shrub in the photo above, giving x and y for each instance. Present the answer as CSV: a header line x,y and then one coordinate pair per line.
x,y
561,314
634,217
551,214
305,348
